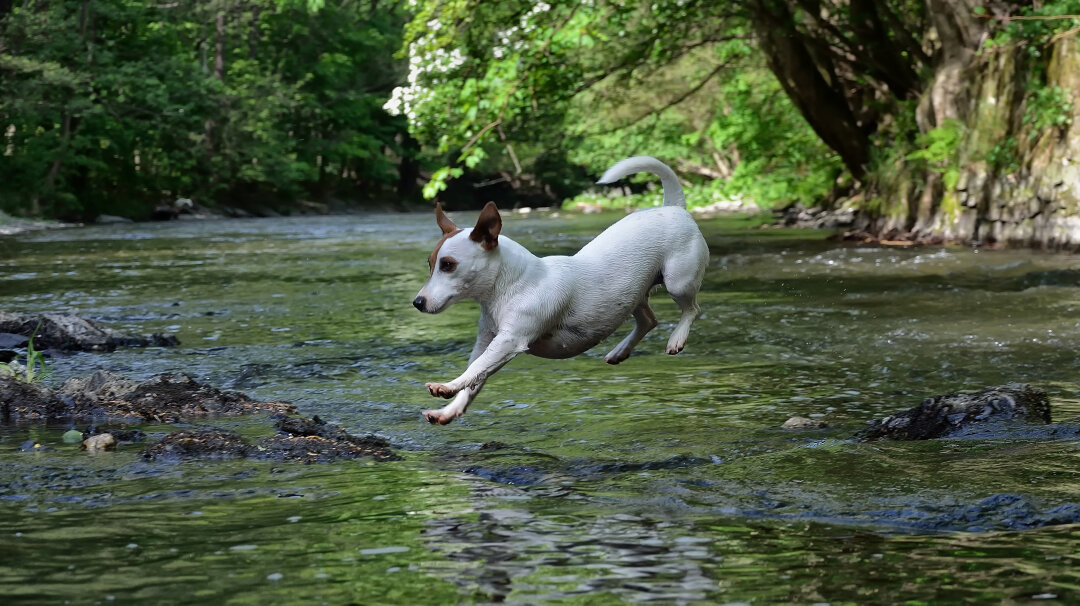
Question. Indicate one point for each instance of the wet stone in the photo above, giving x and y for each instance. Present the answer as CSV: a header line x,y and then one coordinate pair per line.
x,y
961,413
210,443
12,341
99,443
313,440
31,401
32,446
73,436
110,398
315,449
164,398
128,435
494,445
67,332
803,423
214,443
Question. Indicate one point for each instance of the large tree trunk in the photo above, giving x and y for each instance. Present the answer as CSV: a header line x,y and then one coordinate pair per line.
x,y
219,51
822,103
889,56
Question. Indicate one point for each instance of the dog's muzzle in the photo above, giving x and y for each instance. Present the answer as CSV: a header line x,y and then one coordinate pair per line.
x,y
419,303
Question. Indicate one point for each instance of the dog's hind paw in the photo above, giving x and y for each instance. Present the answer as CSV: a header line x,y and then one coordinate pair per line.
x,y
615,358
437,417
440,390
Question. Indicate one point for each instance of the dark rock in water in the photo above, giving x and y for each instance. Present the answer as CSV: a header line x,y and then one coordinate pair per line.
x,y
10,340
164,398
494,445
128,435
315,449
66,332
32,446
174,397
223,444
305,426
102,386
199,444
22,400
316,440
953,414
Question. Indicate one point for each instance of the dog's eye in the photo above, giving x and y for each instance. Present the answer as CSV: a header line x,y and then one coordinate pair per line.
x,y
447,265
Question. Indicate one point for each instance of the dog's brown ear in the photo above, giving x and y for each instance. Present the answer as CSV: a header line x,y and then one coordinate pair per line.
x,y
487,227
445,224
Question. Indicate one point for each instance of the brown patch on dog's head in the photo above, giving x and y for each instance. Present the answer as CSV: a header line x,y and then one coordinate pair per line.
x,y
487,227
449,230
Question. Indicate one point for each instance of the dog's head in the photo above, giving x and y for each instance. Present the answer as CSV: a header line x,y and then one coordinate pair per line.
x,y
464,262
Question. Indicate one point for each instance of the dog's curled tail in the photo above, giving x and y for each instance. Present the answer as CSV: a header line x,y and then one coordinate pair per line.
x,y
673,193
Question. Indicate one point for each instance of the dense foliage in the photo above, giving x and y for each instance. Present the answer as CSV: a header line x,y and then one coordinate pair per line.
x,y
520,87
771,99
118,105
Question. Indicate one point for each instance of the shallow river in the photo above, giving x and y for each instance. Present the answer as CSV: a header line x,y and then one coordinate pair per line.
x,y
664,479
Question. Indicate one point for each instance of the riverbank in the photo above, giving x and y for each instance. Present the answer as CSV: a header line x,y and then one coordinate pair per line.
x,y
10,226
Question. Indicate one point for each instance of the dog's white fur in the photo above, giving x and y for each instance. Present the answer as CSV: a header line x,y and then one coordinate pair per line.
x,y
558,306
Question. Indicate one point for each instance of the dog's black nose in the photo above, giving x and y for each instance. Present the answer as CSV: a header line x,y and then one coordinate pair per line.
x,y
419,303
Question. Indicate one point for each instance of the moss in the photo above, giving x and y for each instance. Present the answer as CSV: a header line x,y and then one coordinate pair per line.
x,y
950,205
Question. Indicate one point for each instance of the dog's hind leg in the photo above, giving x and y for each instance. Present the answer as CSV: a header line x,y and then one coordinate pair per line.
x,y
690,310
683,287
645,320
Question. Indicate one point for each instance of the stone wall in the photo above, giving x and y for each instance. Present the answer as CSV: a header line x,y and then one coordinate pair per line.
x,y
1016,185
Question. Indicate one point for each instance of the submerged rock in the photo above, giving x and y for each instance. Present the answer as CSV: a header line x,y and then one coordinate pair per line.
x,y
72,436
214,443
315,449
953,414
67,332
33,401
313,440
211,443
11,340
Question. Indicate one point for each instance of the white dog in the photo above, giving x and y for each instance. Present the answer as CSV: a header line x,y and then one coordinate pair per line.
x,y
559,307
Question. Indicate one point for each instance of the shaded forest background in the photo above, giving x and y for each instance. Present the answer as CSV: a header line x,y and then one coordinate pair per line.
x,y
115,106
928,119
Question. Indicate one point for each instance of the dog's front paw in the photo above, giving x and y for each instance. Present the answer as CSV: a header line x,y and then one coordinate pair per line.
x,y
440,390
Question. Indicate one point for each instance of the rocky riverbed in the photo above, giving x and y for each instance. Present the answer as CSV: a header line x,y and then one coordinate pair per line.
x,y
109,404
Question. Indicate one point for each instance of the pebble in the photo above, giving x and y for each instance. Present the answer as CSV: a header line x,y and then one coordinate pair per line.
x,y
804,423
99,443
72,436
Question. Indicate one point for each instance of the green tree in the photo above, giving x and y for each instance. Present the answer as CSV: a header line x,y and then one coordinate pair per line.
x,y
118,105
514,83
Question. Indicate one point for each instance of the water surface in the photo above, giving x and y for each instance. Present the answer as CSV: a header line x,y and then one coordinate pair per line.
x,y
663,479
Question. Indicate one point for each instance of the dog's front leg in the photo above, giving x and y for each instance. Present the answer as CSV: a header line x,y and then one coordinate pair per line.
x,y
461,401
501,350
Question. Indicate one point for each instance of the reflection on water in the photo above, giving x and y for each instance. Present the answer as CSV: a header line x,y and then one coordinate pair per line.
x,y
665,479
